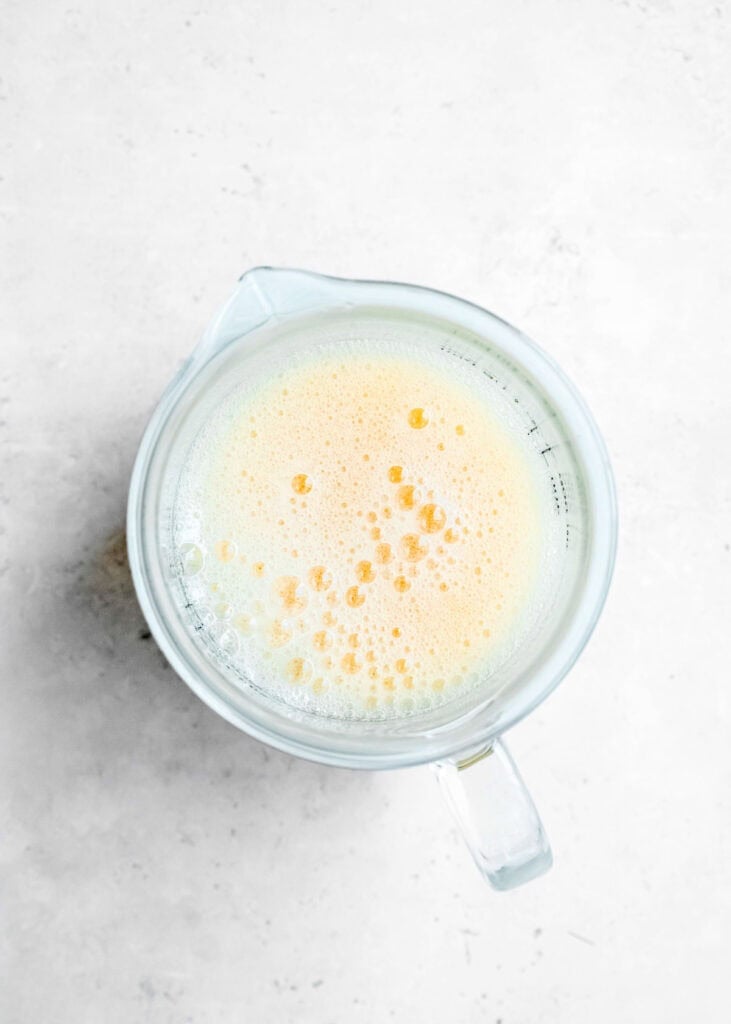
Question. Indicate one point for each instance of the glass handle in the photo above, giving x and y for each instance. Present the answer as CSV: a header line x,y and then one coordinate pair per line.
x,y
497,816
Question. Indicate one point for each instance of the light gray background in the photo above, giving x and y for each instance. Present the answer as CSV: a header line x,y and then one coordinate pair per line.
x,y
566,164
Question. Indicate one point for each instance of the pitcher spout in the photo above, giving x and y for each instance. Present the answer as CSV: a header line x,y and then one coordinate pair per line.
x,y
263,294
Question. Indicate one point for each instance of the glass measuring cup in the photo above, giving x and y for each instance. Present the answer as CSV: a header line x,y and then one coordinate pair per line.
x,y
261,324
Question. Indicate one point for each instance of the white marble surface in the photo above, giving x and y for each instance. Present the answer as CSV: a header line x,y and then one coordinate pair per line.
x,y
566,164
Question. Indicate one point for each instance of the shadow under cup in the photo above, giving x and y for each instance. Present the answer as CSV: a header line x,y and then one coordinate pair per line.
x,y
571,463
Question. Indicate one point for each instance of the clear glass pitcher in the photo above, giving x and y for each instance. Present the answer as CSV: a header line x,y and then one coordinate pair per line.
x,y
460,739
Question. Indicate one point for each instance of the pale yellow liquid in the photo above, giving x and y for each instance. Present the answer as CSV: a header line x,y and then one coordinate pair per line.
x,y
361,533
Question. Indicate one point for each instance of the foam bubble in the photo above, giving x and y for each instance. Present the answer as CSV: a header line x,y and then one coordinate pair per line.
x,y
367,533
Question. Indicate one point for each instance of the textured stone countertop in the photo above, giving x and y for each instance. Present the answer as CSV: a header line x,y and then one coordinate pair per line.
x,y
567,165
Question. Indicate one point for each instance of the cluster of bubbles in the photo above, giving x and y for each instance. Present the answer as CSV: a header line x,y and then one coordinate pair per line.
x,y
347,625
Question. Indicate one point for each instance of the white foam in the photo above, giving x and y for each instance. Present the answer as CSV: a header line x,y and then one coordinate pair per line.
x,y
361,532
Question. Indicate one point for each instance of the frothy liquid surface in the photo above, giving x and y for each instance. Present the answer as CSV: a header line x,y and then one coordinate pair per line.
x,y
360,534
